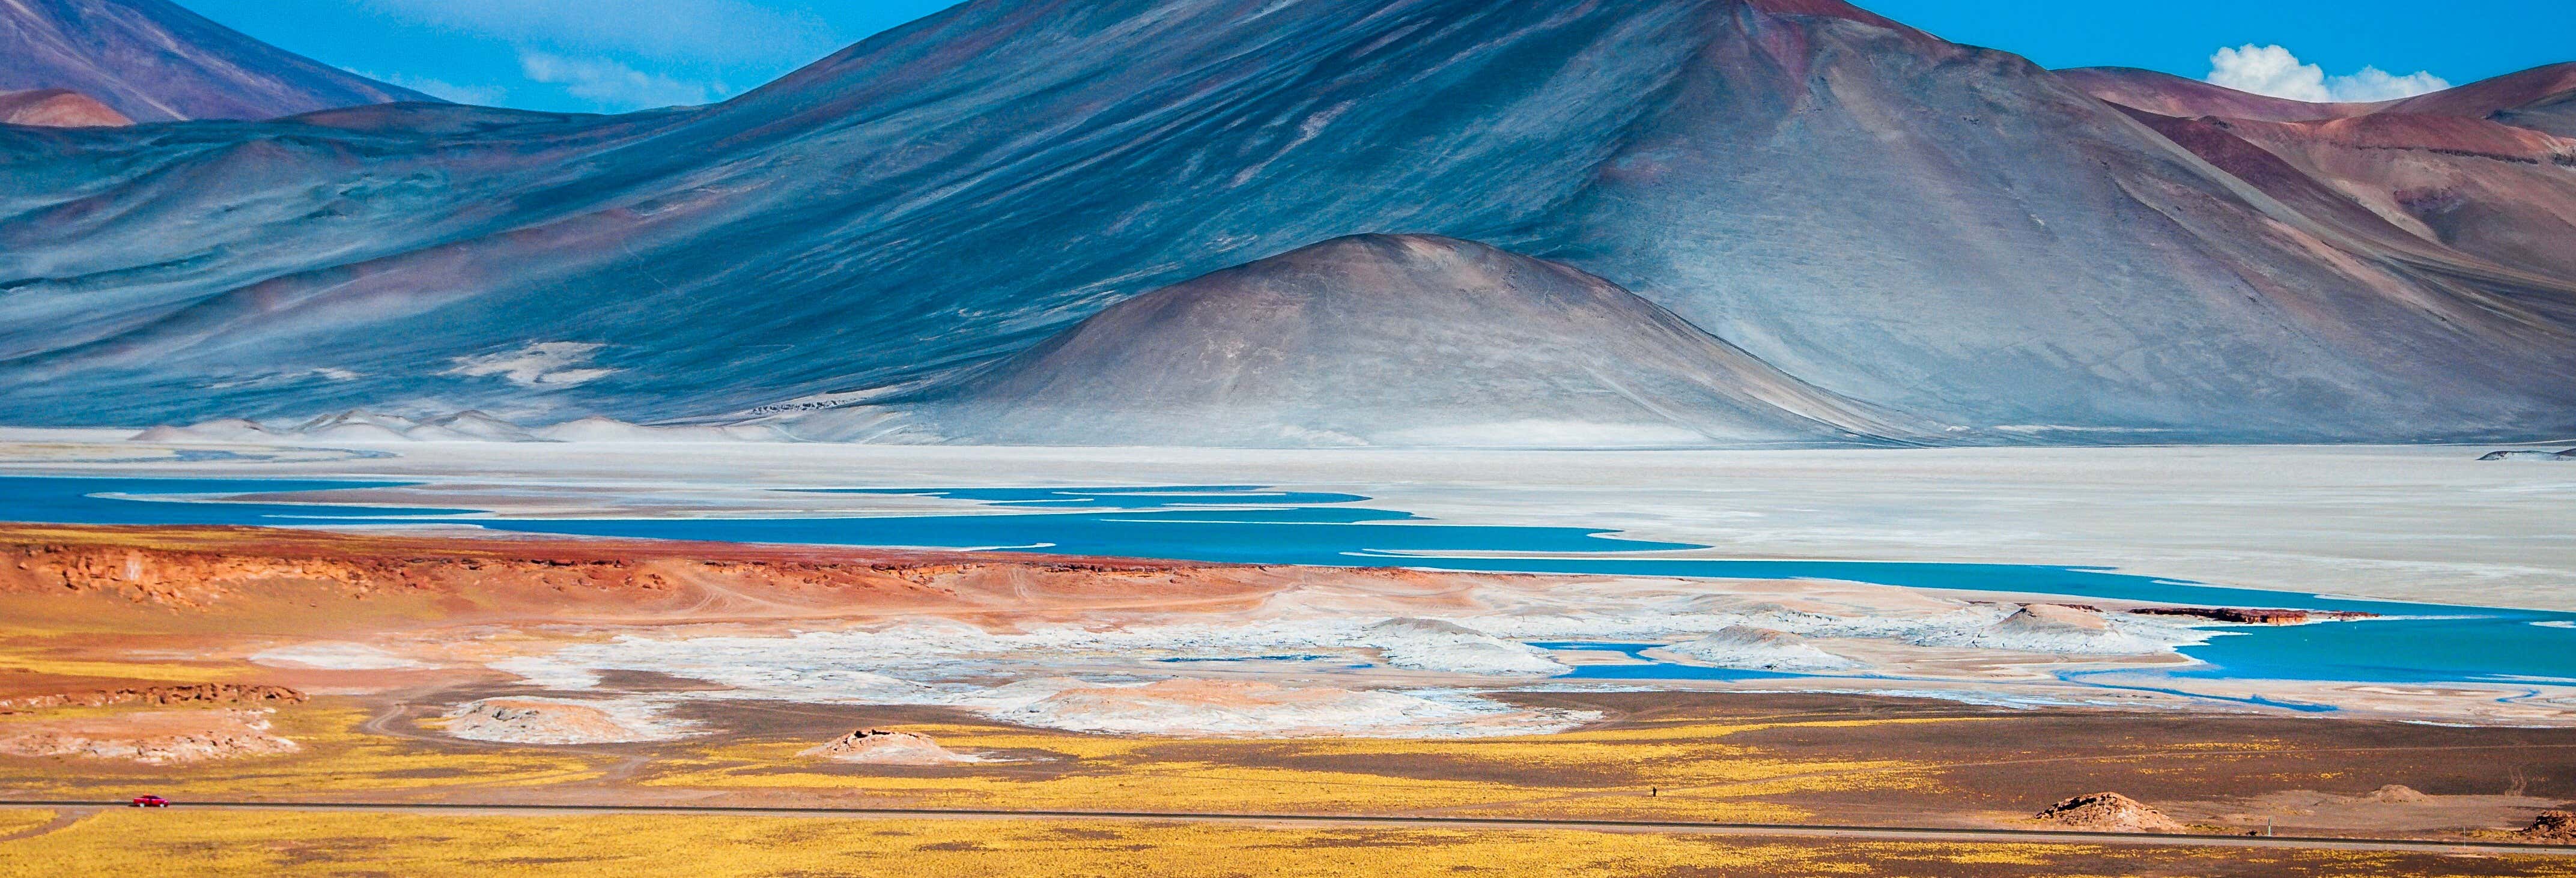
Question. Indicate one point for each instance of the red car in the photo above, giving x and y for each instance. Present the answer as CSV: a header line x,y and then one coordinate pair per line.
x,y
151,802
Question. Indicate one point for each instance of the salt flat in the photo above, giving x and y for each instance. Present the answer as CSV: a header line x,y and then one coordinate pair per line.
x,y
2418,523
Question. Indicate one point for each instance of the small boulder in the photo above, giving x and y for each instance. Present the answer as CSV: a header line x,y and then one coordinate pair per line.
x,y
2109,812
2527,454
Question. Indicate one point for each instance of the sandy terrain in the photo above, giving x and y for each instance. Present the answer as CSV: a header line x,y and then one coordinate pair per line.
x,y
415,668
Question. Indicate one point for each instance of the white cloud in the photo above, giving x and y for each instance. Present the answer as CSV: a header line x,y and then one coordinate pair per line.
x,y
2274,71
720,31
614,86
2374,84
545,364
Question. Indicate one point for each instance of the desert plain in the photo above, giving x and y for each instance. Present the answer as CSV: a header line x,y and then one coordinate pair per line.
x,y
474,698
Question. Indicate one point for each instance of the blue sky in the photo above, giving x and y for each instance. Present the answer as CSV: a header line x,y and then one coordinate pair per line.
x,y
609,55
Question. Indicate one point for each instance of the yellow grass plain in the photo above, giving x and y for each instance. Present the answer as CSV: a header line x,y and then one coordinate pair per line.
x,y
218,843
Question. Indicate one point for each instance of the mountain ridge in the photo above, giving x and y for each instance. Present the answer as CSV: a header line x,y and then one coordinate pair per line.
x,y
1943,231
154,61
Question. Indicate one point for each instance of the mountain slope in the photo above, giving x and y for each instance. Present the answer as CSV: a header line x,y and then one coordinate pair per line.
x,y
156,62
1948,232
2165,94
2542,98
2469,182
1377,340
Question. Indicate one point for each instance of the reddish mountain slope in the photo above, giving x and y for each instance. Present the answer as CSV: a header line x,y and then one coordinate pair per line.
x,y
2478,180
2487,97
57,108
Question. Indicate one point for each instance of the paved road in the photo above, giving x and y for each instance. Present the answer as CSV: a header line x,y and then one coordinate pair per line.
x,y
1865,833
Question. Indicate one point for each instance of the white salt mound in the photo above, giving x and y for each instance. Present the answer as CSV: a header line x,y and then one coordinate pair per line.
x,y
481,426
224,430
1434,645
1760,649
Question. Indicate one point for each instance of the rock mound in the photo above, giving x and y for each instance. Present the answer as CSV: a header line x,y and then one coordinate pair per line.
x,y
2109,812
1761,649
881,747
2551,827
2397,794
556,721
2063,630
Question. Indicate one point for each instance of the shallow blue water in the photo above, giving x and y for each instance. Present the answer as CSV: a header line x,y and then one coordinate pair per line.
x,y
1253,525
92,501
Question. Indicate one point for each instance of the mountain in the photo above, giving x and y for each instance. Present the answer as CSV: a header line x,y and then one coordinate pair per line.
x,y
1914,226
2546,95
153,61
2541,98
57,108
1375,340
2471,181
2169,95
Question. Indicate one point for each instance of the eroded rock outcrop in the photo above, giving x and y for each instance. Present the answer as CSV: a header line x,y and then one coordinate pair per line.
x,y
2108,812
197,693
2551,827
2252,616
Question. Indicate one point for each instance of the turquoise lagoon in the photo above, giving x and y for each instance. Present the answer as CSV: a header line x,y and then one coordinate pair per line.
x,y
2419,643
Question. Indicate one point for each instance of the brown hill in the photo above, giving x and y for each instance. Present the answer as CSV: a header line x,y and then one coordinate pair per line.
x,y
57,108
